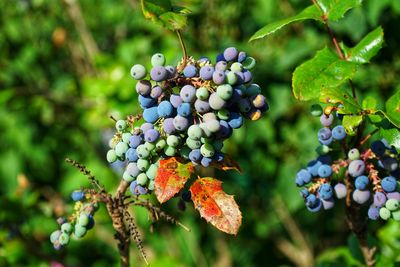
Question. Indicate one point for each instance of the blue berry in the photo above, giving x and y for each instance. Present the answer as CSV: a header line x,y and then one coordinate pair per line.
x,y
338,132
206,72
361,182
190,71
77,195
165,109
389,184
324,171
325,191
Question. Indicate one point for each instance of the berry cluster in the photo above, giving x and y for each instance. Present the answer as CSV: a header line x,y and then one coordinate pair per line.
x,y
188,111
370,174
78,224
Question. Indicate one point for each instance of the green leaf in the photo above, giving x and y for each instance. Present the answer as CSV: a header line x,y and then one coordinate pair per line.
x,y
369,103
325,70
338,96
152,9
173,21
163,13
310,12
350,123
390,133
393,108
366,48
335,9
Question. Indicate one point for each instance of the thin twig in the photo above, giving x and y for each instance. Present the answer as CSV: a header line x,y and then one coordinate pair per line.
x,y
87,173
182,43
336,44
368,136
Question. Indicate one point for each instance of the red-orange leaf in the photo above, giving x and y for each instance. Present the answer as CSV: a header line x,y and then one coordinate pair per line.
x,y
171,176
227,164
214,205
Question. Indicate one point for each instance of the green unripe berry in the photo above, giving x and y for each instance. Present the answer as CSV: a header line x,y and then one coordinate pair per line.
x,y
384,213
160,144
231,77
142,179
316,110
66,228
121,148
185,151
207,150
354,154
202,93
152,171
195,132
120,125
126,136
111,156
158,59
127,177
55,236
149,146
223,114
392,204
79,231
138,72
236,66
143,164
225,91
151,185
83,219
253,89
170,151
142,152
193,144
64,239
249,63
173,140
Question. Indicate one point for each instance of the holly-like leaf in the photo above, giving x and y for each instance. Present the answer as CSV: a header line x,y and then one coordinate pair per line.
x,y
163,13
366,48
325,70
310,12
214,205
227,164
152,9
390,133
335,9
350,123
393,108
369,103
171,176
338,96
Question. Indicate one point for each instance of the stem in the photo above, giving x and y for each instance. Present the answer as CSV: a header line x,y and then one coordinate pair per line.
x,y
183,49
368,136
336,44
357,224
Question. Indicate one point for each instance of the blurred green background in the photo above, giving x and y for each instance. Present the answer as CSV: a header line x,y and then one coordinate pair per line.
x,y
64,68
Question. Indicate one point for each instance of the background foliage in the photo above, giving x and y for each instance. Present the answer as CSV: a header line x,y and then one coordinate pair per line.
x,y
65,68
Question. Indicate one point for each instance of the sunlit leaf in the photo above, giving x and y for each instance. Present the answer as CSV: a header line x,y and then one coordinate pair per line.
x,y
324,70
366,48
338,95
163,13
171,176
335,9
393,108
214,205
350,123
310,12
